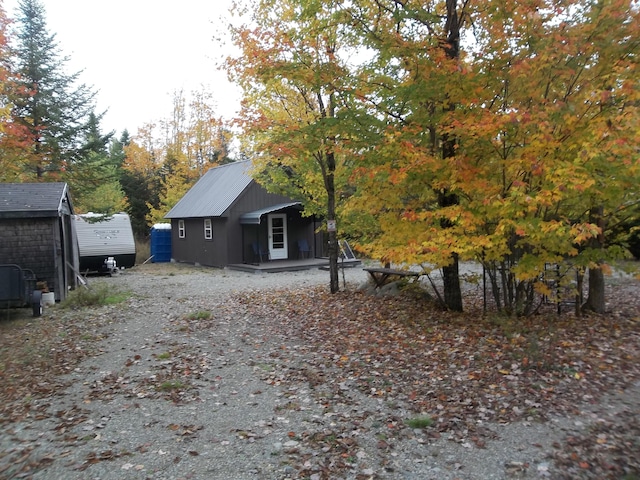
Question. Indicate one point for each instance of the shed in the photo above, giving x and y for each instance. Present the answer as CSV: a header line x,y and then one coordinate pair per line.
x,y
36,232
228,218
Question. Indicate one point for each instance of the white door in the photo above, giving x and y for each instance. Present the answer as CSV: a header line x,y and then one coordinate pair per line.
x,y
278,236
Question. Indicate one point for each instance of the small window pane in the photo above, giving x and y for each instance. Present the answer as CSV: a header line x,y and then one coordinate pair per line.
x,y
208,233
181,230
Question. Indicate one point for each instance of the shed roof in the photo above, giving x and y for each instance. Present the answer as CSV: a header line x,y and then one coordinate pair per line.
x,y
21,200
214,193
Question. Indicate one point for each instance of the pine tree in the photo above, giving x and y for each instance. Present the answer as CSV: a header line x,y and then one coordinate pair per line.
x,y
49,103
94,177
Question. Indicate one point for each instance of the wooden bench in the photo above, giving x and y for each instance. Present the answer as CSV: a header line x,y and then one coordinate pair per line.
x,y
380,276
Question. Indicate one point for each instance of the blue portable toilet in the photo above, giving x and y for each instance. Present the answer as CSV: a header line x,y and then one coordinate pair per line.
x,y
161,243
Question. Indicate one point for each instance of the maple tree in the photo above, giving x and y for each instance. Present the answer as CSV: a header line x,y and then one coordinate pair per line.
x,y
414,58
542,105
565,119
12,144
509,142
293,72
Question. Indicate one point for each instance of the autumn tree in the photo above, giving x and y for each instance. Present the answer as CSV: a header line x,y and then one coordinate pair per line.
x,y
208,139
545,114
7,167
410,81
557,127
140,178
12,135
292,69
51,105
195,140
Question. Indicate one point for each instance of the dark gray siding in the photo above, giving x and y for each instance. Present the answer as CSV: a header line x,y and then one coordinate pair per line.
x,y
231,241
194,248
253,198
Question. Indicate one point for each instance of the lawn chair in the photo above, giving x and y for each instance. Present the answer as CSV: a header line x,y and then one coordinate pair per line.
x,y
258,254
304,250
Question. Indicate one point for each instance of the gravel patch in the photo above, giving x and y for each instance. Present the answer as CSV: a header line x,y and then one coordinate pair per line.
x,y
129,413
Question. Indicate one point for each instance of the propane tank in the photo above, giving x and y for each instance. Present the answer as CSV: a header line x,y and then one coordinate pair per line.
x,y
110,264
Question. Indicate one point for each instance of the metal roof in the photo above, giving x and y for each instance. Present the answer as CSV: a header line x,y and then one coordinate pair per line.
x,y
253,218
20,200
214,193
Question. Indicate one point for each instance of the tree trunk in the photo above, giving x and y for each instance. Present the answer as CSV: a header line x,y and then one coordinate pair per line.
x,y
452,291
450,273
334,281
579,286
596,299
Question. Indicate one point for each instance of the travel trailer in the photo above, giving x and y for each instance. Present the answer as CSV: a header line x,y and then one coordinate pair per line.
x,y
105,242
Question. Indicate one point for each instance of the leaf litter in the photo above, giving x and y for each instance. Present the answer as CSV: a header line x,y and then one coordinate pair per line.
x,y
467,371
371,365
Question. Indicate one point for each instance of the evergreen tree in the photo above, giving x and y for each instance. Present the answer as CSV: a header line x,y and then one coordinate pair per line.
x,y
94,178
50,104
116,150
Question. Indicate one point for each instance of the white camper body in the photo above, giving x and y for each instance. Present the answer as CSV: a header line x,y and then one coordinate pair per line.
x,y
103,239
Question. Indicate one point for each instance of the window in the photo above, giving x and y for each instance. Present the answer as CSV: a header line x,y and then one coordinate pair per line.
x,y
208,233
181,232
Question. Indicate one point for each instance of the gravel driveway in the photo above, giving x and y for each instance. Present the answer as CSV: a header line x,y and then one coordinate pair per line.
x,y
171,394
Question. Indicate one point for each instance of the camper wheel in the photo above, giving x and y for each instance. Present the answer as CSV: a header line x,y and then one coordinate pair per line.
x,y
36,303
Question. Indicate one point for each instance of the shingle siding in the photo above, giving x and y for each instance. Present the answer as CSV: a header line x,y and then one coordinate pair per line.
x,y
30,244
36,233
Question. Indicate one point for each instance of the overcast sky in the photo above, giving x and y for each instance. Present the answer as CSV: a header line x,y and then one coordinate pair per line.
x,y
136,53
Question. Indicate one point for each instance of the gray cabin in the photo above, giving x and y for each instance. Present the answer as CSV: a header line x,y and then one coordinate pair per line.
x,y
36,232
228,218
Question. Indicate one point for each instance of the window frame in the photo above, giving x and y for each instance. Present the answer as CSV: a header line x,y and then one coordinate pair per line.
x,y
182,232
208,229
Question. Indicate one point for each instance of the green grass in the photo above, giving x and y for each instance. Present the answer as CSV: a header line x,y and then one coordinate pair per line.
x,y
171,385
419,422
96,295
199,315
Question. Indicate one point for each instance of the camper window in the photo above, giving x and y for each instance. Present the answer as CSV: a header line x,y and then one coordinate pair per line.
x,y
181,233
208,235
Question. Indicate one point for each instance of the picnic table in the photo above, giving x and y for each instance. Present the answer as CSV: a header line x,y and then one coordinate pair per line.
x,y
381,276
